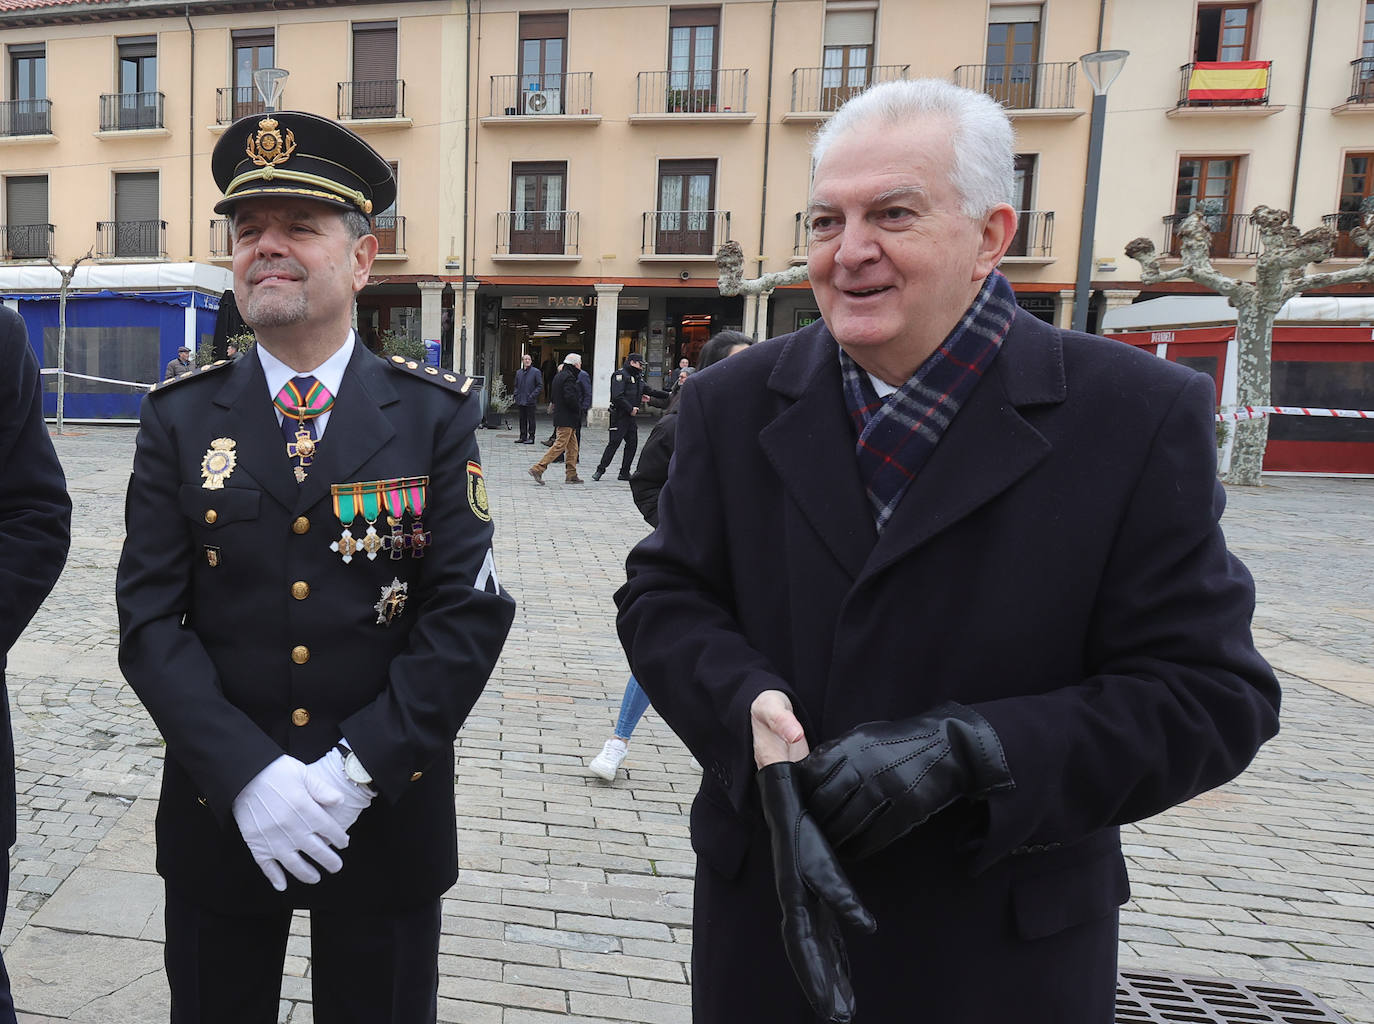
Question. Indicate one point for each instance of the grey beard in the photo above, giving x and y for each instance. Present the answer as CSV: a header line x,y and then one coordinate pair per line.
x,y
269,311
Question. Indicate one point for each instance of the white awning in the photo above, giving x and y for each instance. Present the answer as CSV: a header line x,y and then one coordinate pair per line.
x,y
97,277
1206,310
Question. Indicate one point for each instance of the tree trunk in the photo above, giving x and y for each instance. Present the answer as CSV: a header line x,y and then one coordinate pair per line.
x,y
1254,334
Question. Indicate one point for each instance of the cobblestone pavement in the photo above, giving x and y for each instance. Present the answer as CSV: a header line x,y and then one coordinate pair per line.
x,y
575,896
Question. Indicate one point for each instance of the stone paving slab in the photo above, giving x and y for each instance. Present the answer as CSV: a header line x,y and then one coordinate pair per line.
x,y
574,899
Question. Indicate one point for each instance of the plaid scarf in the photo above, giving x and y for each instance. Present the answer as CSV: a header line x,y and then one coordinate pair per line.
x,y
898,433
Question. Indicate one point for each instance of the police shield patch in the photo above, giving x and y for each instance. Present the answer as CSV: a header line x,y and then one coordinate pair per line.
x,y
477,493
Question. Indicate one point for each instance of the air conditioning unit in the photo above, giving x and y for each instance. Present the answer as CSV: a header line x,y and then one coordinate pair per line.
x,y
543,101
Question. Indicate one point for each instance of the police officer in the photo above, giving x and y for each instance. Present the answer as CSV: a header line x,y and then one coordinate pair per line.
x,y
308,608
628,392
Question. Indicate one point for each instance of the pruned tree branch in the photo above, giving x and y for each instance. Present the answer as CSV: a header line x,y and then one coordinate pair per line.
x,y
730,274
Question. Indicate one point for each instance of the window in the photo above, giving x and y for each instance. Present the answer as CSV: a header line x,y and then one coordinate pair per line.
x,y
28,113
1367,45
1012,53
138,107
1357,185
1208,184
1023,197
375,88
847,60
538,207
686,197
27,232
692,58
137,230
390,238
254,49
543,58
1224,32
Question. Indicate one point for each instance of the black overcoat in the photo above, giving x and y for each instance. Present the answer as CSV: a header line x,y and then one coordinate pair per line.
x,y
1058,564
213,618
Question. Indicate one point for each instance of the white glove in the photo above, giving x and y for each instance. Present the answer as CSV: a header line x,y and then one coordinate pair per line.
x,y
331,787
281,818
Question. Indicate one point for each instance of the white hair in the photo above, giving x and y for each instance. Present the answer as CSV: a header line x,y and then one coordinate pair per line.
x,y
982,138
574,358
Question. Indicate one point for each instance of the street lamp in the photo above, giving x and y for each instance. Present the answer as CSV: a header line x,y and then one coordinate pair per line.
x,y
270,82
1101,69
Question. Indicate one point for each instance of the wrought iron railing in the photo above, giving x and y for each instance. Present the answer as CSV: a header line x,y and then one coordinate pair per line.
x,y
1034,234
26,241
391,234
544,95
1187,98
684,232
720,91
236,101
1342,224
221,244
1031,85
127,111
366,100
1234,235
537,232
119,238
825,89
25,117
1361,80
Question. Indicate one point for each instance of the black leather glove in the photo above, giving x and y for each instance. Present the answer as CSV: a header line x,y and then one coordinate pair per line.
x,y
813,890
880,780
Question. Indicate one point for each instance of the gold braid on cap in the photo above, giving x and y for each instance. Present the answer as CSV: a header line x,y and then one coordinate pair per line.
x,y
329,185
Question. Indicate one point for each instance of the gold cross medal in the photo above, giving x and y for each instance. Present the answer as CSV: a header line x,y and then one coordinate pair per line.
x,y
304,450
349,500
218,463
393,602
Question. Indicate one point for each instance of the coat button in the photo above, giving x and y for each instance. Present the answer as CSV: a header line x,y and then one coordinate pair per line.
x,y
415,776
300,655
211,515
300,717
300,590
301,525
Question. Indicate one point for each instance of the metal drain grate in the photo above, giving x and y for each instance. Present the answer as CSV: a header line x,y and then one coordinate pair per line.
x,y
1173,999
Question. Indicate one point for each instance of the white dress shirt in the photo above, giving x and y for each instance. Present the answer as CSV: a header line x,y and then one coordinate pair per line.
x,y
329,373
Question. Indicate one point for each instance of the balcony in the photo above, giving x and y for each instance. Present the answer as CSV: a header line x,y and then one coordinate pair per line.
x,y
391,235
799,238
131,111
1209,88
383,100
131,239
1342,224
1034,238
691,235
1361,98
818,92
701,96
25,117
531,236
1234,235
522,99
221,247
1032,89
26,241
236,101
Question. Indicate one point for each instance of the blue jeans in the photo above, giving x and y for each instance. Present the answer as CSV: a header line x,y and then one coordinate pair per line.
x,y
632,707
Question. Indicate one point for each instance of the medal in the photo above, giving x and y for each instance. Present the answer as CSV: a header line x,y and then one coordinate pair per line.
x,y
415,491
393,602
345,546
303,448
218,463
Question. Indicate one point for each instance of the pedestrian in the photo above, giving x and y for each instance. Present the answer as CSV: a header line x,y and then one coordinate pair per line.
x,y
678,377
181,364
231,350
628,395
35,533
566,408
938,599
584,390
529,382
308,608
645,483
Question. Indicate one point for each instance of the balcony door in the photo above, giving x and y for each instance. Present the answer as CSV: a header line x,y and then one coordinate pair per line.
x,y
1224,32
686,207
543,59
1357,186
538,203
693,57
138,106
29,89
1013,53
254,49
137,230
1023,194
375,92
26,217
1208,185
847,60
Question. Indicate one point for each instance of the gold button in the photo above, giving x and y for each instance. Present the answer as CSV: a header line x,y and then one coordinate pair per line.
x,y
211,515
301,525
300,590
416,776
300,717
300,655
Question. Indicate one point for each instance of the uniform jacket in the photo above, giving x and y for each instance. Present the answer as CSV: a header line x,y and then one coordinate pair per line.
x,y
1057,564
246,636
35,520
628,390
529,382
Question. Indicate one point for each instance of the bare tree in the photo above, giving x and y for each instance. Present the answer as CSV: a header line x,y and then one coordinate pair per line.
x,y
1284,252
67,275
730,274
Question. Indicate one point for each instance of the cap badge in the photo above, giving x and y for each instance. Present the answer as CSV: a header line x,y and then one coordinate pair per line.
x,y
267,148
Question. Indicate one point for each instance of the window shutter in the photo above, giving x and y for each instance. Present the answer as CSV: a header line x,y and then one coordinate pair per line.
x,y
374,51
1013,14
544,26
849,28
685,17
26,200
133,47
136,196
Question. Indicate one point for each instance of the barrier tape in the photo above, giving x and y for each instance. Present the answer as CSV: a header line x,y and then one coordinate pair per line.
x,y
50,371
1254,412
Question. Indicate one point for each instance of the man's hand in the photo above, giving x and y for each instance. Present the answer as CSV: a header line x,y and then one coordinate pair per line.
x,y
812,891
880,780
778,736
634,410
331,787
280,820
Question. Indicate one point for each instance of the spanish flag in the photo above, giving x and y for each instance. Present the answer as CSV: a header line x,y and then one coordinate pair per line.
x,y
1229,81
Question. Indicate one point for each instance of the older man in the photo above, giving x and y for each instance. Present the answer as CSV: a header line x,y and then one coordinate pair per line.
x,y
954,581
308,608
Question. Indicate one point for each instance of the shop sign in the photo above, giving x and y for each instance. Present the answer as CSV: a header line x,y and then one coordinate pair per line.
x,y
568,302
806,317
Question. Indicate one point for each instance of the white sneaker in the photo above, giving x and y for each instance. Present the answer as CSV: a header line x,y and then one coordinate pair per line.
x,y
606,763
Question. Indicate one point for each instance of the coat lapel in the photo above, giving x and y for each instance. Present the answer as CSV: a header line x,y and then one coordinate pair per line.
x,y
811,446
357,427
261,449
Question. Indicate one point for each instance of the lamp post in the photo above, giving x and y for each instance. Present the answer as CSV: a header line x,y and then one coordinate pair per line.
x,y
1101,69
270,82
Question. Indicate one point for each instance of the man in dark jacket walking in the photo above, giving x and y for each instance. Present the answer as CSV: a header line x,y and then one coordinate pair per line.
x,y
566,406
628,392
528,383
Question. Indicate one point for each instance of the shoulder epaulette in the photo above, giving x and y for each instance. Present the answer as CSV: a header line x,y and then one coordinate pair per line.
x,y
198,372
445,378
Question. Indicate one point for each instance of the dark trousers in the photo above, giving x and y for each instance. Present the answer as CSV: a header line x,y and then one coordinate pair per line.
x,y
365,968
526,422
623,428
6,1000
